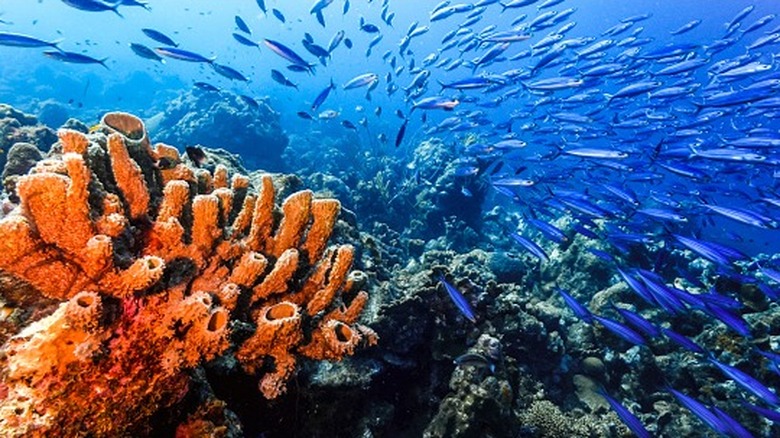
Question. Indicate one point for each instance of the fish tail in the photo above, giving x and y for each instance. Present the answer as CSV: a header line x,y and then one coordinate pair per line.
x,y
115,9
56,43
699,107
694,152
656,151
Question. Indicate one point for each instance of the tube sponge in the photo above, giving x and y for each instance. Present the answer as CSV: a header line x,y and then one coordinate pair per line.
x,y
153,263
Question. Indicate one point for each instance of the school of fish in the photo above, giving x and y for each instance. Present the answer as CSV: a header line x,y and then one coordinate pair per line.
x,y
645,144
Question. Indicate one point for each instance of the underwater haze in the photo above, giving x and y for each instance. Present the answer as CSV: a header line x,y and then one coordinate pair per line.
x,y
592,184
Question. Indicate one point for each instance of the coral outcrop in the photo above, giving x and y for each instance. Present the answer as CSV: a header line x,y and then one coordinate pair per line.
x,y
203,118
153,264
480,403
18,127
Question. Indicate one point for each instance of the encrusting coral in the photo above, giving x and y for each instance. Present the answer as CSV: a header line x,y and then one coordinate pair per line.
x,y
151,261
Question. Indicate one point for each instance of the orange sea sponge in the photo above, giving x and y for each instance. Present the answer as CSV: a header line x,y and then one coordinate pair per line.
x,y
150,261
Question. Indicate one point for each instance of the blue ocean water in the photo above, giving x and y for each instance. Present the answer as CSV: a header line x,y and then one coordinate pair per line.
x,y
646,175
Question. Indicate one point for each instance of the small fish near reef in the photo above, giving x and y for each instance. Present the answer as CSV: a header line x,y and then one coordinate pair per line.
x,y
460,301
475,360
196,155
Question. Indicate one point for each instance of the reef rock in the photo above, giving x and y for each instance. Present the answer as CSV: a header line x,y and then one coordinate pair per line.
x,y
21,158
204,118
480,402
18,127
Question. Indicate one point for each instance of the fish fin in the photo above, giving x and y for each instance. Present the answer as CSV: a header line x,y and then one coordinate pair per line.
x,y
115,9
694,152
656,151
56,43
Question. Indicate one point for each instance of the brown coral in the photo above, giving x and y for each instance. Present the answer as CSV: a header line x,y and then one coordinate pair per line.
x,y
150,263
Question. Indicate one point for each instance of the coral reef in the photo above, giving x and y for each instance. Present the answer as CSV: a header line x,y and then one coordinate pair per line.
x,y
421,196
203,118
481,399
51,113
21,158
278,305
151,267
18,127
428,187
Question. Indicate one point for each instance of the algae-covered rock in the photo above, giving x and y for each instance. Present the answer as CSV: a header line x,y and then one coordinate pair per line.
x,y
9,112
21,158
16,127
223,121
76,125
479,403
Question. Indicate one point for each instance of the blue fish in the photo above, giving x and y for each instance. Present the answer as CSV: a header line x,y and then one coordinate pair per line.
x,y
460,301
20,40
319,6
159,37
229,72
94,6
531,246
320,99
621,330
748,382
550,231
580,310
183,55
287,53
244,40
242,26
683,341
629,419
701,411
74,58
638,321
661,293
769,414
734,428
731,320
279,16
